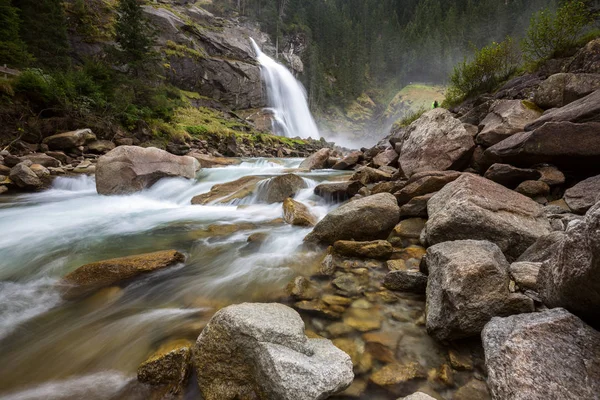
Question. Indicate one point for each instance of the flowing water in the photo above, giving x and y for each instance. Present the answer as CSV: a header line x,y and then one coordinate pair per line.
x,y
287,99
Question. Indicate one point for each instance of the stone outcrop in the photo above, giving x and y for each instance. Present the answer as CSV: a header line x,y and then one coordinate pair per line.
x,y
541,356
468,285
473,207
506,118
435,142
369,218
91,277
129,169
260,351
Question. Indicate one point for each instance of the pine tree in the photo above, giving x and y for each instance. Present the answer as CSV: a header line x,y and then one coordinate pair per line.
x,y
13,51
134,34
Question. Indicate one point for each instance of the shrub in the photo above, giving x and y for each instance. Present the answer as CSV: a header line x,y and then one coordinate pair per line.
x,y
490,66
553,34
410,117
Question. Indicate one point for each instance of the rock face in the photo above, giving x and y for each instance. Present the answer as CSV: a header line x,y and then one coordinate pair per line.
x,y
467,286
583,195
541,356
296,213
317,160
571,277
510,176
586,109
227,192
435,142
279,188
572,147
69,140
338,191
129,169
564,88
90,277
369,218
473,207
259,351
506,118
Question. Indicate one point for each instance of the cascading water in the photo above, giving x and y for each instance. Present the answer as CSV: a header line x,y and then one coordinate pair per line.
x,y
287,99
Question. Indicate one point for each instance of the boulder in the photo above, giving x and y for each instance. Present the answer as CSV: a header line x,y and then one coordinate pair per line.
x,y
100,146
473,207
406,281
296,213
424,183
564,88
42,159
388,187
22,176
569,146
586,109
368,218
69,140
583,195
587,59
435,142
388,157
378,249
506,118
510,176
41,171
543,248
225,193
317,160
367,175
169,365
416,207
91,277
129,169
533,189
525,274
279,188
348,161
468,285
418,396
338,191
541,356
571,277
260,351
410,228
551,175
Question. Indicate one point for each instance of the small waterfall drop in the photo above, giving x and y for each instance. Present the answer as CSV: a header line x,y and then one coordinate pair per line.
x,y
287,99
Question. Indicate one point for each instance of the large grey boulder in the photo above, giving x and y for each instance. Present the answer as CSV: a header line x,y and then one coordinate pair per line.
x,y
69,140
369,218
473,207
571,277
506,118
542,356
586,109
435,142
129,169
570,146
583,195
279,188
564,88
260,351
468,285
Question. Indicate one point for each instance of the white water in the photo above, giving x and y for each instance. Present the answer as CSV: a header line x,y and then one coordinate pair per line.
x,y
287,99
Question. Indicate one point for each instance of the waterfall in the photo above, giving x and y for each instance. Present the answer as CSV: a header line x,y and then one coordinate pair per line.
x,y
287,99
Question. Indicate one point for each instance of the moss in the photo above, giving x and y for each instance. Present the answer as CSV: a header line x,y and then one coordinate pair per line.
x,y
173,49
531,106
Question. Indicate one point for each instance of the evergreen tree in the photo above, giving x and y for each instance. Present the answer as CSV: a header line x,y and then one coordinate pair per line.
x,y
134,34
12,49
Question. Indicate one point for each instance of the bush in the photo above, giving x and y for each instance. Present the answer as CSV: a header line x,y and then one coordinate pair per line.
x,y
490,66
553,34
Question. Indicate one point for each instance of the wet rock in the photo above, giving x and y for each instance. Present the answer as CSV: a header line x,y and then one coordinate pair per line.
x,y
356,350
91,277
317,160
302,289
347,283
435,142
564,88
510,176
378,249
425,183
397,378
279,188
363,320
355,391
533,189
473,390
571,277
22,175
296,213
69,140
570,146
416,207
100,146
583,195
208,161
460,361
227,192
586,109
3,189
544,355
468,285
473,207
42,159
320,309
525,274
247,350
367,175
388,157
406,229
85,167
506,118
169,365
339,191
349,161
129,169
369,218
406,281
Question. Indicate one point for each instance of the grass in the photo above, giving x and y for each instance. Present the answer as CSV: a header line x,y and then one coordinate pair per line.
x,y
411,117
415,97
173,49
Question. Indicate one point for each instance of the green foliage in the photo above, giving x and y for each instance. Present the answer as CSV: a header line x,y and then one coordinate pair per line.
x,y
12,49
410,118
490,66
552,34
134,34
93,20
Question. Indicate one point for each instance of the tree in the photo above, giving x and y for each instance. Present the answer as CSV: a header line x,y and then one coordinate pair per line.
x,y
12,49
134,34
